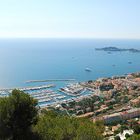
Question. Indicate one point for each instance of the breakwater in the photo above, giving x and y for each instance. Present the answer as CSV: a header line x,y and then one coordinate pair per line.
x,y
49,80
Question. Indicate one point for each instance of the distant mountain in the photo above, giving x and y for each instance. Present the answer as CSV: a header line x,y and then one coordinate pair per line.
x,y
113,49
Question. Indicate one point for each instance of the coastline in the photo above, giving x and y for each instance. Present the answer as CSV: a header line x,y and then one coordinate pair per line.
x,y
47,96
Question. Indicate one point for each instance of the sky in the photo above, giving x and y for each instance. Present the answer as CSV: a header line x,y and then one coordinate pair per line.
x,y
70,19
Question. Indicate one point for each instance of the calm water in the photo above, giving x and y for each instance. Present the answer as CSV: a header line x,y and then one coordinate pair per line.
x,y
38,59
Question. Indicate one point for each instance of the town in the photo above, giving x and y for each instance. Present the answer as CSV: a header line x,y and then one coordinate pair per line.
x,y
115,101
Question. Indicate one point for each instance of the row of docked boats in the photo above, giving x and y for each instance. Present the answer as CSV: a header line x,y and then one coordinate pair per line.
x,y
48,97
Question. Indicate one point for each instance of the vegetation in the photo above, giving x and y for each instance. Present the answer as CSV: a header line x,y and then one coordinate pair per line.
x,y
52,126
84,106
106,87
19,120
17,115
136,129
117,138
134,137
127,135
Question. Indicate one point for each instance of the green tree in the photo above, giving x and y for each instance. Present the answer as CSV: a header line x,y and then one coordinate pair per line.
x,y
88,131
117,138
127,135
56,127
136,129
110,107
17,114
134,137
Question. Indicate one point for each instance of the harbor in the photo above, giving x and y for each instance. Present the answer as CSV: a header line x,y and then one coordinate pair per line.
x,y
48,95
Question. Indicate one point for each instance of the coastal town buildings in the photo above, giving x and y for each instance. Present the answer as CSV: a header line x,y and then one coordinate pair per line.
x,y
116,117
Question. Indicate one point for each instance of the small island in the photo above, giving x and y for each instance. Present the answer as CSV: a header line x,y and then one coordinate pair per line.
x,y
115,49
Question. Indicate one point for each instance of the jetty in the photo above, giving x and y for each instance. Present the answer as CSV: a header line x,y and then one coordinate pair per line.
x,y
37,88
28,88
49,80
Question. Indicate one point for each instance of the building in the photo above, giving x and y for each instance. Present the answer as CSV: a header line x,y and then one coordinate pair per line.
x,y
112,118
125,115
135,102
133,113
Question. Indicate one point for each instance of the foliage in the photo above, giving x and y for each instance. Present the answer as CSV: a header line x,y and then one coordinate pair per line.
x,y
65,128
125,100
136,129
84,104
110,107
127,135
124,127
106,87
17,114
19,120
134,137
117,138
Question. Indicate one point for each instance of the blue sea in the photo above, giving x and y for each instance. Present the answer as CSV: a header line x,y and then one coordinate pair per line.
x,y
40,59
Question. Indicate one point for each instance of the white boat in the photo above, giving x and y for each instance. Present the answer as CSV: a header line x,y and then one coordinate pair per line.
x,y
88,69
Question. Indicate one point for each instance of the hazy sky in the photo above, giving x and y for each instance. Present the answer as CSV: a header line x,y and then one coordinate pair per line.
x,y
70,18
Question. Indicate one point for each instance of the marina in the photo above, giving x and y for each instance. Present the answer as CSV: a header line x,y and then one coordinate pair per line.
x,y
47,96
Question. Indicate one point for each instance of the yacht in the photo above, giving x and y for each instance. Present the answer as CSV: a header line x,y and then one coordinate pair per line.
x,y
88,69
